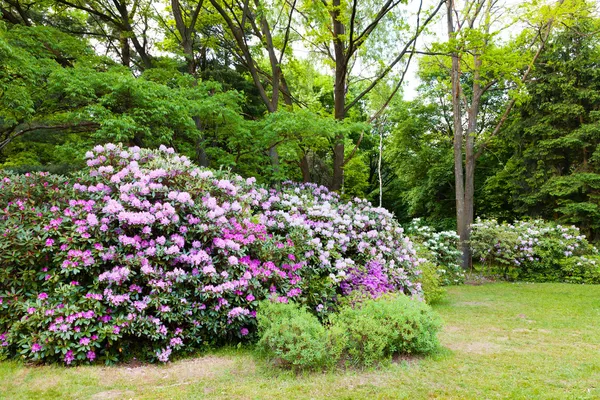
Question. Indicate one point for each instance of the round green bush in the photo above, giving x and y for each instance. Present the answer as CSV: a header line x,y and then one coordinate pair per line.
x,y
380,328
295,338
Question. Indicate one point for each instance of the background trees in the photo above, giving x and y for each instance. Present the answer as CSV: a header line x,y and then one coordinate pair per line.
x,y
504,123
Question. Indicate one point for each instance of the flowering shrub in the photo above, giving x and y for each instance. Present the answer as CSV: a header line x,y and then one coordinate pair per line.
x,y
443,249
144,254
535,250
355,246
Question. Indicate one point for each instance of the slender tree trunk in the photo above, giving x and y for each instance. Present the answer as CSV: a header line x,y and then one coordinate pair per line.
x,y
305,168
274,155
469,187
186,36
459,181
379,167
470,161
201,155
339,94
125,50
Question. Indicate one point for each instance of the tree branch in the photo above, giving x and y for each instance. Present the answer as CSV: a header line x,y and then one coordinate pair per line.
x,y
396,60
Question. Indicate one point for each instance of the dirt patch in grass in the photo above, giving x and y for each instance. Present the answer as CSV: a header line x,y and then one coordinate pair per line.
x,y
474,279
47,382
179,372
452,328
20,377
475,347
113,394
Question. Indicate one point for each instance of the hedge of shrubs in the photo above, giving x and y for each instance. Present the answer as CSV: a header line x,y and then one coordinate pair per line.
x,y
143,254
535,250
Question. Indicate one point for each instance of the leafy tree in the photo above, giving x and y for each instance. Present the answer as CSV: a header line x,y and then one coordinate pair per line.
x,y
551,169
52,86
347,33
478,53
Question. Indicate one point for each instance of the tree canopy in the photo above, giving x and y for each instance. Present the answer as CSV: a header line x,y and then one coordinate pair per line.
x,y
505,116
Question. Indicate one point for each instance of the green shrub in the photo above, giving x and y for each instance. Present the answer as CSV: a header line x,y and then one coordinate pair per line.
x,y
431,283
377,329
295,338
582,269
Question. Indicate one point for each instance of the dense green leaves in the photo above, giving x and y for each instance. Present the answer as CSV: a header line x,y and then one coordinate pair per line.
x,y
551,169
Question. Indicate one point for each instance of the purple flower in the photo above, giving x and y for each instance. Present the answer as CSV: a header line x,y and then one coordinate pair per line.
x,y
36,347
244,331
84,341
69,357
49,242
163,356
92,219
233,260
91,355
43,296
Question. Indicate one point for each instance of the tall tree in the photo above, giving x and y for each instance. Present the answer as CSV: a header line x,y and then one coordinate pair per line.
x,y
551,169
248,20
481,62
345,33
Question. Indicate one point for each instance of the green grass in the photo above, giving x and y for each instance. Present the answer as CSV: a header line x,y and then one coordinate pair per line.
x,y
539,341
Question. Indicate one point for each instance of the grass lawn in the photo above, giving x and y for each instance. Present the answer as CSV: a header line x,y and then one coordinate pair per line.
x,y
518,341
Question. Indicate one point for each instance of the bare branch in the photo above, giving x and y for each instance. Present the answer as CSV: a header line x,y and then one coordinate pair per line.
x,y
402,53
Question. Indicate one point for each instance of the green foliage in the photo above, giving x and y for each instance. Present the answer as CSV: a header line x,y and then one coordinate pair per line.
x,y
295,338
431,282
419,151
362,334
378,329
549,150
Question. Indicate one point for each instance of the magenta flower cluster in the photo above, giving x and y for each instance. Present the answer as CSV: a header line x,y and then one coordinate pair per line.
x,y
143,253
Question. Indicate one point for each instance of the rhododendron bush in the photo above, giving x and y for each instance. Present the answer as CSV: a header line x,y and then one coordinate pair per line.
x,y
536,250
143,254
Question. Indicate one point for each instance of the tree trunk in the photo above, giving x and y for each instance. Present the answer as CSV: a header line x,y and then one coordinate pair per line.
x,y
305,168
339,94
186,36
201,155
470,161
274,155
125,50
459,181
469,186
